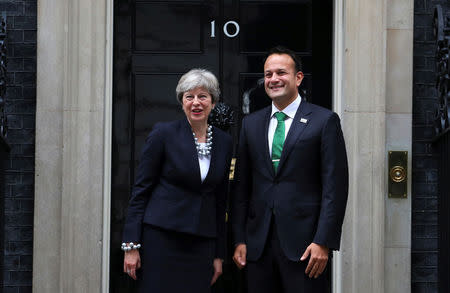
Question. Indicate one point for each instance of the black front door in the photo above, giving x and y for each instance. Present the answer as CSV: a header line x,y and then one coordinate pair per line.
x,y
157,41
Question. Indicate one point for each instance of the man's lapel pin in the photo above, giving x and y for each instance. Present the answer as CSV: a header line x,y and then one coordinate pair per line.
x,y
303,120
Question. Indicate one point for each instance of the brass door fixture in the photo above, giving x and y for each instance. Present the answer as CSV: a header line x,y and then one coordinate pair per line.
x,y
398,174
232,166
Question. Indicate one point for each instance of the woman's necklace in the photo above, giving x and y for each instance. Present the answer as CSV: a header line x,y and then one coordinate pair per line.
x,y
204,149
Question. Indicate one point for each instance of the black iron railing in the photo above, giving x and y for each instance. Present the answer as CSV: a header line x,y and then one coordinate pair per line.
x,y
442,139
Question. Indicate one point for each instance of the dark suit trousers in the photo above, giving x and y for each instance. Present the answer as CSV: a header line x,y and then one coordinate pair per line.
x,y
273,272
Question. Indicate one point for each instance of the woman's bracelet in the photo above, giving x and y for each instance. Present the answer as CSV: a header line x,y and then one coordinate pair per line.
x,y
127,247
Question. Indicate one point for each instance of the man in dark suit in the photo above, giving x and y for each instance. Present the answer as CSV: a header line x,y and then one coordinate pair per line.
x,y
292,185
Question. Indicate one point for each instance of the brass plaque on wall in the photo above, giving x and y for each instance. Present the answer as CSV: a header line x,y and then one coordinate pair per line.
x,y
398,174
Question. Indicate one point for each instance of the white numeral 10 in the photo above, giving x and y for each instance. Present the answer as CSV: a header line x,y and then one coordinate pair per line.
x,y
225,29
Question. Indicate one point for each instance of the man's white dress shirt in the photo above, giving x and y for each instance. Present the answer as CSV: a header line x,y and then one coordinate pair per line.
x,y
290,111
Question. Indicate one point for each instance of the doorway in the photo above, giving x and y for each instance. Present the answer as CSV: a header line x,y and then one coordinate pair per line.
x,y
155,42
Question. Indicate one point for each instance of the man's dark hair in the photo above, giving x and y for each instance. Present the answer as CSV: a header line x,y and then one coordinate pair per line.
x,y
284,50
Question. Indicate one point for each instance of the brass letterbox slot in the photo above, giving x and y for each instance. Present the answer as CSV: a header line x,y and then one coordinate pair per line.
x,y
230,177
398,174
232,166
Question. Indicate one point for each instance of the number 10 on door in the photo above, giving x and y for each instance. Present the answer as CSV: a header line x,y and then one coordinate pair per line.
x,y
226,28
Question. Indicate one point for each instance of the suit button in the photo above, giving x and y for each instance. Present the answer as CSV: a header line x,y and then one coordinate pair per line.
x,y
275,181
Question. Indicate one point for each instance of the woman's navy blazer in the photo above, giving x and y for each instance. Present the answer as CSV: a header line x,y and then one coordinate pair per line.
x,y
168,190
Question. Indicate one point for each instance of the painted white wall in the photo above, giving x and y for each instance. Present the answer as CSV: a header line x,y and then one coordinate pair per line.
x,y
373,95
72,117
360,265
399,96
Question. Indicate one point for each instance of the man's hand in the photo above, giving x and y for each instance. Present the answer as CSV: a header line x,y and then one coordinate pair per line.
x,y
317,261
131,263
217,264
240,254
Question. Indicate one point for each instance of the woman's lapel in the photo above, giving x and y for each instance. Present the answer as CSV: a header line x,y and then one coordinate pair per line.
x,y
191,154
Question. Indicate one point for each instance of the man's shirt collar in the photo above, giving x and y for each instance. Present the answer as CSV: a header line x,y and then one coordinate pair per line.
x,y
290,110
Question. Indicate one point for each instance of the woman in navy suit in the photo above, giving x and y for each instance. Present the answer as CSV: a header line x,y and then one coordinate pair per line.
x,y
174,235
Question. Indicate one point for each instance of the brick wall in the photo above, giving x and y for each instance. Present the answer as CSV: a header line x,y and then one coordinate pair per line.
x,y
19,175
425,160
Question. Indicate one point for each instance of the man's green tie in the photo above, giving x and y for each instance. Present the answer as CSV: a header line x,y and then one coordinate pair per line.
x,y
278,140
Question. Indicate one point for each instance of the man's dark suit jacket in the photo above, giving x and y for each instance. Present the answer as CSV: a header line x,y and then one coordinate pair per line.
x,y
307,195
168,191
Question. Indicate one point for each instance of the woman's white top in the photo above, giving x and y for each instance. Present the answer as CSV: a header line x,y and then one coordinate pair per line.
x,y
204,162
